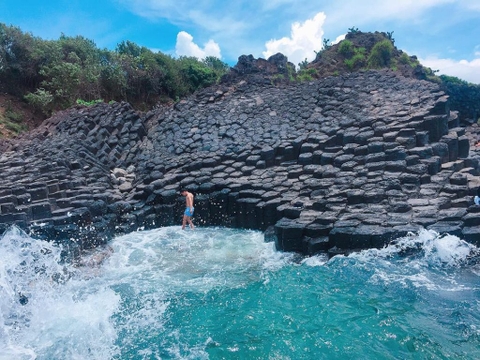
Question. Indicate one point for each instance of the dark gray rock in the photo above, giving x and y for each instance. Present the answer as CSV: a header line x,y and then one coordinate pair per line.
x,y
315,160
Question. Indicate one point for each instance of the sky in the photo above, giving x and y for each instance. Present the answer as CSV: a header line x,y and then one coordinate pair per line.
x,y
443,34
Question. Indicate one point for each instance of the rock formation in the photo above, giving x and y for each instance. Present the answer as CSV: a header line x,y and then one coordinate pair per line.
x,y
345,162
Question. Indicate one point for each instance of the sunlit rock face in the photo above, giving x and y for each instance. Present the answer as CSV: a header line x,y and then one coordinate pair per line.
x,y
344,162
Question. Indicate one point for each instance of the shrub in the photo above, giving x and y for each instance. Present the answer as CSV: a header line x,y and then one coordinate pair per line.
x,y
303,65
407,60
346,48
390,37
326,44
381,54
453,80
13,115
41,99
88,103
277,78
430,75
306,74
358,59
404,59
14,127
12,121
302,77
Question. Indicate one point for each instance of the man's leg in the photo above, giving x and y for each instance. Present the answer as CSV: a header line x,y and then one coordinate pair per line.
x,y
184,222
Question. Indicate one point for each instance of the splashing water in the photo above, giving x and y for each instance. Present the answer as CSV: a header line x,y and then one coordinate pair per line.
x,y
217,293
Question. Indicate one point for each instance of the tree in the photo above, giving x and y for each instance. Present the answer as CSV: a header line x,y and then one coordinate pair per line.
x,y
70,70
18,68
216,64
113,79
129,48
54,74
195,73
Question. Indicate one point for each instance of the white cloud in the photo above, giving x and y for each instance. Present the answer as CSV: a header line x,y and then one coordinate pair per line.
x,y
186,47
304,39
463,69
339,38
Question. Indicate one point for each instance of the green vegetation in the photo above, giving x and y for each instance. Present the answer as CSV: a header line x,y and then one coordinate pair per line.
x,y
303,65
358,59
354,56
41,99
12,120
306,74
353,30
380,55
326,44
346,48
407,60
52,75
453,80
88,103
390,37
430,75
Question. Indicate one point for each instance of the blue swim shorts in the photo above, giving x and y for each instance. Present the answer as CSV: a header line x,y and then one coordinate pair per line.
x,y
188,212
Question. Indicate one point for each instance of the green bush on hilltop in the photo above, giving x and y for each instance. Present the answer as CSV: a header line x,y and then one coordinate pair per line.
x,y
353,30
357,61
380,55
407,60
346,48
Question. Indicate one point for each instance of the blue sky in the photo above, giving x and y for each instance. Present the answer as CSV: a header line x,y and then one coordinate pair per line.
x,y
443,34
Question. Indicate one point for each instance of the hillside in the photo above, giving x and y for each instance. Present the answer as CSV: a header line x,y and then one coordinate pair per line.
x,y
357,52
360,51
17,116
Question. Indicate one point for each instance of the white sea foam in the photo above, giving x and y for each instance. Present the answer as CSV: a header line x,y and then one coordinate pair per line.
x,y
317,260
423,260
47,309
198,260
72,311
427,246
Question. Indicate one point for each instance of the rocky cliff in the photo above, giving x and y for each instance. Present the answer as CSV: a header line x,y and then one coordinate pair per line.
x,y
344,162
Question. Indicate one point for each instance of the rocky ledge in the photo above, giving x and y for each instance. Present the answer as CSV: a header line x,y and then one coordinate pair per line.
x,y
345,162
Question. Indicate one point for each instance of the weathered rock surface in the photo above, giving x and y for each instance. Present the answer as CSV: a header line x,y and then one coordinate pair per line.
x,y
345,162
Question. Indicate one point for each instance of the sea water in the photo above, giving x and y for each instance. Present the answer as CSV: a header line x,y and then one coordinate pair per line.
x,y
216,293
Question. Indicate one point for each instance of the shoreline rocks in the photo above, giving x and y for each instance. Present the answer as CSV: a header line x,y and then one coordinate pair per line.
x,y
344,162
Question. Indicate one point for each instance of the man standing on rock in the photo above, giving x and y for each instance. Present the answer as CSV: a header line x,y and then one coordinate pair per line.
x,y
187,215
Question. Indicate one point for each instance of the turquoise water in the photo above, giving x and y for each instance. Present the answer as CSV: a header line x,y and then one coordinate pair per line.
x,y
218,293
